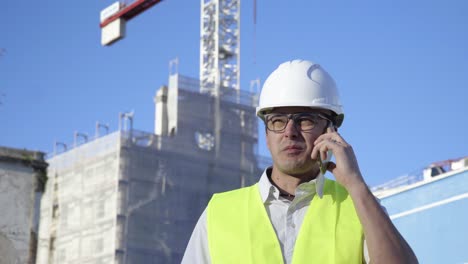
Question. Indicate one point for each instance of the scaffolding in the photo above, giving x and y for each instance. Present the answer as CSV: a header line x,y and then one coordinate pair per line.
x,y
133,196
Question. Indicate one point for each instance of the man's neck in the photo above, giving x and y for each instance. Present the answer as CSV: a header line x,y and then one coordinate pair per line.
x,y
288,183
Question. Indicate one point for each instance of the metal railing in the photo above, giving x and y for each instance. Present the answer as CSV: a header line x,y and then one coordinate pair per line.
x,y
229,95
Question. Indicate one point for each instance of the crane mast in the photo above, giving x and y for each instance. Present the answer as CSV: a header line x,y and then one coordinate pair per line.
x,y
219,46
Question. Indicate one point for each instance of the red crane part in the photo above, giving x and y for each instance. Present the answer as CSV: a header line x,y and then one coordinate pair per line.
x,y
131,11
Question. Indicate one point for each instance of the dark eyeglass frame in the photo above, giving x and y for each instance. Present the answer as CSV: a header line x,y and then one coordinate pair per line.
x,y
296,118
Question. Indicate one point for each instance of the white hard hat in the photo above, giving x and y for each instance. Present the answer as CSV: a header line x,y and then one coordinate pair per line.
x,y
300,83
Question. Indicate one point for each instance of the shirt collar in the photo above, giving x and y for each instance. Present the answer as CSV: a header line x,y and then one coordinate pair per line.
x,y
267,189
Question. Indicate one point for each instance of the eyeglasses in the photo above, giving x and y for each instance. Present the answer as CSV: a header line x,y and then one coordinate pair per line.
x,y
303,121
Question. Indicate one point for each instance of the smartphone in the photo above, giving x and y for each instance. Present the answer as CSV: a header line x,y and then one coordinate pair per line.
x,y
323,164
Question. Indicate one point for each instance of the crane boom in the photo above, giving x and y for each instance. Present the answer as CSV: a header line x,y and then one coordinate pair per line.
x,y
130,11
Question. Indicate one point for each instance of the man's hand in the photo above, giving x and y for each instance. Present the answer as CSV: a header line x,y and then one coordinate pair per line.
x,y
375,222
346,169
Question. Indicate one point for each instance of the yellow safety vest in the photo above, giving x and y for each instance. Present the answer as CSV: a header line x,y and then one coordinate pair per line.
x,y
240,232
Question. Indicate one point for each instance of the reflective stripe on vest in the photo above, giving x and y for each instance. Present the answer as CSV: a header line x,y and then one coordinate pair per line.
x,y
239,230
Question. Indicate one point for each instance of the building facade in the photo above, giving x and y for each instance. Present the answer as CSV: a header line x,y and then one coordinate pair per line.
x,y
431,211
134,196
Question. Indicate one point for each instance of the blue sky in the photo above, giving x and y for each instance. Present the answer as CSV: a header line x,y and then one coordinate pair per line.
x,y
401,67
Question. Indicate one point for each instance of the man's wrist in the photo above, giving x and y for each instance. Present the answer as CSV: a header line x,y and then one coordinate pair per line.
x,y
358,189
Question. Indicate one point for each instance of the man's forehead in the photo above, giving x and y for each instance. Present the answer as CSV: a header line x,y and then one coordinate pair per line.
x,y
297,109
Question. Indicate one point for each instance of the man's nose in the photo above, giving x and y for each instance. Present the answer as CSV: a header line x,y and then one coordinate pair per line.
x,y
291,129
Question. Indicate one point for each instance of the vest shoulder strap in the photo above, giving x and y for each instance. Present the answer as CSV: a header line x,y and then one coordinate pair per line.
x,y
331,231
239,229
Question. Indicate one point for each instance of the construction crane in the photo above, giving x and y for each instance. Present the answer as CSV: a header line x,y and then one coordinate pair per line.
x,y
219,46
219,39
115,16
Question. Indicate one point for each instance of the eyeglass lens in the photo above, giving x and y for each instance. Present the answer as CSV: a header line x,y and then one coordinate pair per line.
x,y
303,121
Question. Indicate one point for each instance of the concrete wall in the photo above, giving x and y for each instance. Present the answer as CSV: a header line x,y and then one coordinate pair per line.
x,y
21,182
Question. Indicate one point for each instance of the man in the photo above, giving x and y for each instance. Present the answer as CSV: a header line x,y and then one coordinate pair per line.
x,y
293,214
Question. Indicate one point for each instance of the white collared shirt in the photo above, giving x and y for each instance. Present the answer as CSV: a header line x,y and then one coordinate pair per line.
x,y
286,217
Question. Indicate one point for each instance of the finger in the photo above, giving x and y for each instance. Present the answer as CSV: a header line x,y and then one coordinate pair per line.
x,y
339,140
331,137
335,141
314,153
329,134
322,138
323,151
317,150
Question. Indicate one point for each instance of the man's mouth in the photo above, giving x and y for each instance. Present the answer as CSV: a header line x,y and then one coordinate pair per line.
x,y
293,149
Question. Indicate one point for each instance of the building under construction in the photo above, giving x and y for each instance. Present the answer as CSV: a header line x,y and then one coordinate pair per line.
x,y
133,196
